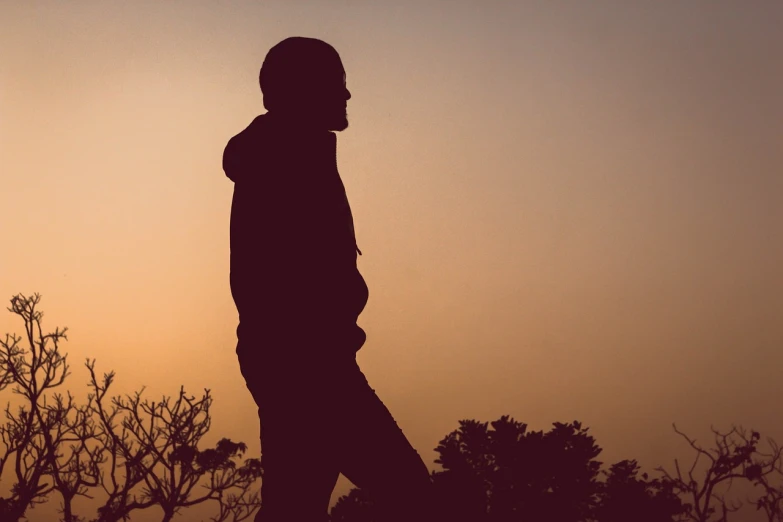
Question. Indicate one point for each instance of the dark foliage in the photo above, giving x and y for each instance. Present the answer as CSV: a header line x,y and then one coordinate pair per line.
x,y
501,472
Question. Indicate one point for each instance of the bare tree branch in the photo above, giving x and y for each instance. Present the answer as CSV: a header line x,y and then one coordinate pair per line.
x,y
139,452
731,458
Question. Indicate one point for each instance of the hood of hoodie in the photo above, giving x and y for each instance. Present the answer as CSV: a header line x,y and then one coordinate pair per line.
x,y
270,154
268,140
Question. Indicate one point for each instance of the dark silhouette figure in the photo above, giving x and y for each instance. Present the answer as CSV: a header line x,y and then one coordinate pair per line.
x,y
298,291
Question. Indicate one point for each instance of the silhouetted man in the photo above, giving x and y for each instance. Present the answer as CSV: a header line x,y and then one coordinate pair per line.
x,y
299,293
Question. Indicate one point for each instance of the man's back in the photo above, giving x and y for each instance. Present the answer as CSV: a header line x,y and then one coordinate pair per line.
x,y
293,248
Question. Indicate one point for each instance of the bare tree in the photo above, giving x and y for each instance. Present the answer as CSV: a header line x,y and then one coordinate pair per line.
x,y
154,457
36,435
140,453
771,499
732,458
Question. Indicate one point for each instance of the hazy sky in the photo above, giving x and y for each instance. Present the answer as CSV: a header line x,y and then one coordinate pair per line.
x,y
567,210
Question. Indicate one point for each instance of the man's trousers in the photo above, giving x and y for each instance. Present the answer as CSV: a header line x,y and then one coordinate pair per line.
x,y
319,417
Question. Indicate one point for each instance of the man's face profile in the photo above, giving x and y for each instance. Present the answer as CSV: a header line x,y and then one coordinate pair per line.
x,y
339,120
305,82
327,102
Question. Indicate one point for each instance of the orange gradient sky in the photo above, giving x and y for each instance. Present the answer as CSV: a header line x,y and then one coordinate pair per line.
x,y
567,210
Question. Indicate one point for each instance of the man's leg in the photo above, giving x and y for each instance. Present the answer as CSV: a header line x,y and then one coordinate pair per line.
x,y
297,450
299,469
376,456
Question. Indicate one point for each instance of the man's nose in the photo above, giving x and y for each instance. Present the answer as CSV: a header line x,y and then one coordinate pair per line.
x,y
347,94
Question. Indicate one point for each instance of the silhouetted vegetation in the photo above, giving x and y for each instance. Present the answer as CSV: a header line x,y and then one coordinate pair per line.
x,y
501,472
735,456
136,454
505,472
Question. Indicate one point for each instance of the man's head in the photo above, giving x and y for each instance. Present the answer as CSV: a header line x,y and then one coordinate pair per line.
x,y
303,80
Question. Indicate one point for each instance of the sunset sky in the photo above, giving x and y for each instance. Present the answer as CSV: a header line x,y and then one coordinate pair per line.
x,y
567,210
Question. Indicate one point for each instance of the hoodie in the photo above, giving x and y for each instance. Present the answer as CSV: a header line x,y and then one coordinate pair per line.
x,y
294,278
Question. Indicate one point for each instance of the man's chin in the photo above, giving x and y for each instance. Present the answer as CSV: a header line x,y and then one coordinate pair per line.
x,y
339,124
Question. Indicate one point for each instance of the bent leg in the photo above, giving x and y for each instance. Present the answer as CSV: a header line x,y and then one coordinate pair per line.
x,y
376,456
